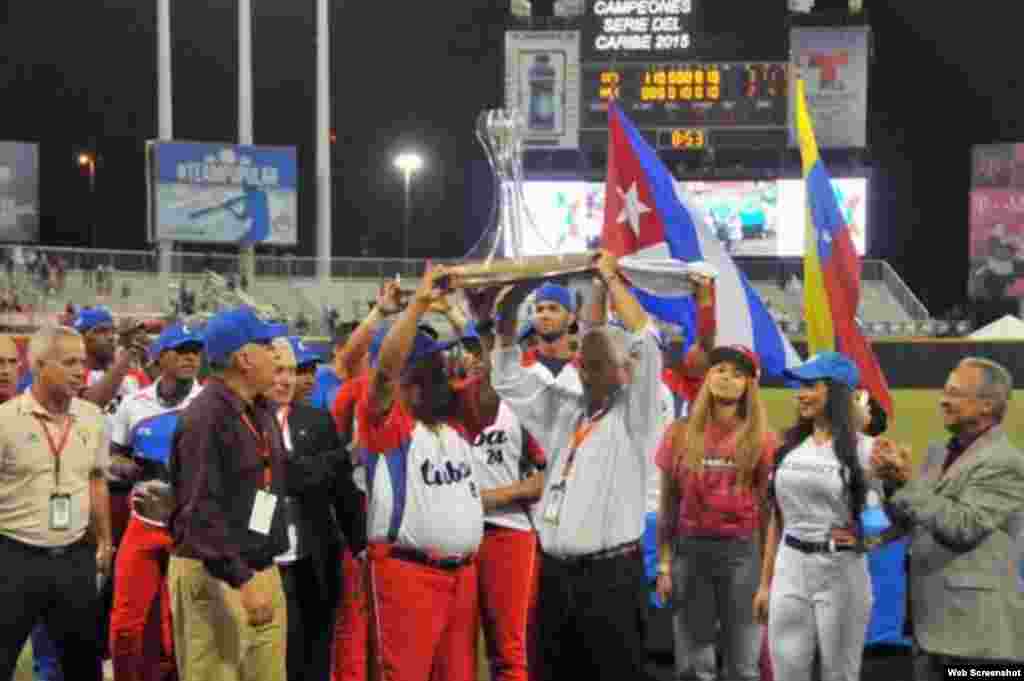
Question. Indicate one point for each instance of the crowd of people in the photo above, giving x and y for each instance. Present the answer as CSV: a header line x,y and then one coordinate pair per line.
x,y
226,506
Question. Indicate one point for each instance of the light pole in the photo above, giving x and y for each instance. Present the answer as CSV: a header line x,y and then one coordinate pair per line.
x,y
87,162
408,163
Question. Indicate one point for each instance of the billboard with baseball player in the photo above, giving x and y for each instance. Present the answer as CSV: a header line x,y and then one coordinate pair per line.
x,y
222,193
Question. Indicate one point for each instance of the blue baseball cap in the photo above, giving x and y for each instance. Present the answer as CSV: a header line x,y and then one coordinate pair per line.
x,y
92,317
557,294
228,331
173,337
303,354
423,345
832,366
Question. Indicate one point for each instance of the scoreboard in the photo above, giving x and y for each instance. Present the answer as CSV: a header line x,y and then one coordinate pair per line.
x,y
691,74
688,105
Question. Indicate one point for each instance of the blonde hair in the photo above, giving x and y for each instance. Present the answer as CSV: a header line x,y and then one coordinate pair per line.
x,y
689,436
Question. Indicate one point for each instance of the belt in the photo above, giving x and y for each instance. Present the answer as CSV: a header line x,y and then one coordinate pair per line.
x,y
627,549
817,546
256,564
449,563
49,551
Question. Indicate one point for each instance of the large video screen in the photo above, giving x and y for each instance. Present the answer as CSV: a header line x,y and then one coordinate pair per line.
x,y
763,218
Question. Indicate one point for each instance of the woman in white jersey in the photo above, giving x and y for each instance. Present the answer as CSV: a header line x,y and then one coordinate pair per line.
x,y
815,588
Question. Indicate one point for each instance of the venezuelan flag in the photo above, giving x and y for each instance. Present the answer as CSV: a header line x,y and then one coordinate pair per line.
x,y
832,267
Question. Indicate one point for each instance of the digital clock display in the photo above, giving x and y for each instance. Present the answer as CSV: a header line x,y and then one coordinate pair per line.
x,y
687,138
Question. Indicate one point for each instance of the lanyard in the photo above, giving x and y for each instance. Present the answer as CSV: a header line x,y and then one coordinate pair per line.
x,y
583,429
282,420
262,447
56,449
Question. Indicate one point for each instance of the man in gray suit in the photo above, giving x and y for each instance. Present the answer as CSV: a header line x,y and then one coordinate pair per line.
x,y
965,607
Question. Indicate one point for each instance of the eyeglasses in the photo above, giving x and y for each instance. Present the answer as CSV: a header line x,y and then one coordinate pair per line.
x,y
954,393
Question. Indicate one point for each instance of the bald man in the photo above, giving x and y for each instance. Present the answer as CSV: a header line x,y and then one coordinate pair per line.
x,y
8,367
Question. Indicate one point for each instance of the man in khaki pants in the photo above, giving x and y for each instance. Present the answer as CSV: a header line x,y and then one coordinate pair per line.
x,y
227,470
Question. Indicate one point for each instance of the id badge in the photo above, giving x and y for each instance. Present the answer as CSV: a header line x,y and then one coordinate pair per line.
x,y
60,512
262,512
554,505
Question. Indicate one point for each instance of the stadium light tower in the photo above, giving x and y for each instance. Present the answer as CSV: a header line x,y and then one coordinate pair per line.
x,y
409,163
87,162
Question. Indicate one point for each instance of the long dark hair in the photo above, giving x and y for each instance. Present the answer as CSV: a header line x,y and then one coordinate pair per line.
x,y
839,410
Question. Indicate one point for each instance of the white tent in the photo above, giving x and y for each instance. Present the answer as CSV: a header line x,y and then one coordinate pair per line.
x,y
1006,328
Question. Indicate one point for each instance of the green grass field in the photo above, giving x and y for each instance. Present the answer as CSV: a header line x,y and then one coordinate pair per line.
x,y
918,420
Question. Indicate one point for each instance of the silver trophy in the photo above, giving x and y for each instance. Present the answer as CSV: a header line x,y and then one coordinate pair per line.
x,y
500,132
498,257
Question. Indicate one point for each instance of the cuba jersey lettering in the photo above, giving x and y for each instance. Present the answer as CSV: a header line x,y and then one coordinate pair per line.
x,y
143,424
500,459
421,488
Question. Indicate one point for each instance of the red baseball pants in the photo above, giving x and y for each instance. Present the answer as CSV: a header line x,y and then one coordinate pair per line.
x,y
424,621
508,570
350,626
141,639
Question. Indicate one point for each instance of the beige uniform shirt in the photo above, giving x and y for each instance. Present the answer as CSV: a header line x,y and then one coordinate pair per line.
x,y
27,468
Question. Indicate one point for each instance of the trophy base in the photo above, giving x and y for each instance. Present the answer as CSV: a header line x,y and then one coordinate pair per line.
x,y
500,272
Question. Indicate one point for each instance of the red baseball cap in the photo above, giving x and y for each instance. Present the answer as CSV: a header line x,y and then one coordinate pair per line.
x,y
740,355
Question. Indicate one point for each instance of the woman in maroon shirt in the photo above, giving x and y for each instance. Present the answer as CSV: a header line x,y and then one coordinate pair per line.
x,y
717,465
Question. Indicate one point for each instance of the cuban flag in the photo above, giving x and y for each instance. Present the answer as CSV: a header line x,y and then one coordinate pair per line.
x,y
644,216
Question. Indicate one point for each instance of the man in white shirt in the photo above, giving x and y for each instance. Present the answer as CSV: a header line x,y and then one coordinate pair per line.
x,y
141,429
554,316
591,513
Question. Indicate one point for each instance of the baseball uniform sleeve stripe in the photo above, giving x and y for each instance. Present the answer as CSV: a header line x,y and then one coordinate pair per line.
x,y
396,461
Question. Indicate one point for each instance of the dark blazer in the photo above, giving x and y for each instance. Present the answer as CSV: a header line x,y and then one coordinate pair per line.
x,y
318,472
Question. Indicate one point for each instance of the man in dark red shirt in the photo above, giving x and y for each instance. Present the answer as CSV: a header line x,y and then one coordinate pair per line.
x,y
227,471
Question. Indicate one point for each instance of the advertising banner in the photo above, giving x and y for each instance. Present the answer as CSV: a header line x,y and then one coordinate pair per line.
x,y
223,193
19,192
834,65
997,243
542,76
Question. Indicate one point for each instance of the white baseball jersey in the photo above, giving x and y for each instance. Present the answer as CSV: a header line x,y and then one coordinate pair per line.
x,y
568,378
503,456
421,490
141,422
809,489
133,382
603,495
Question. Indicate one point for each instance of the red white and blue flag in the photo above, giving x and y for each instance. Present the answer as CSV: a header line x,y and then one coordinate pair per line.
x,y
645,216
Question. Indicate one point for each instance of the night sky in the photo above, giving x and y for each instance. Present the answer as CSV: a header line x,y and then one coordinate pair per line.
x,y
409,73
